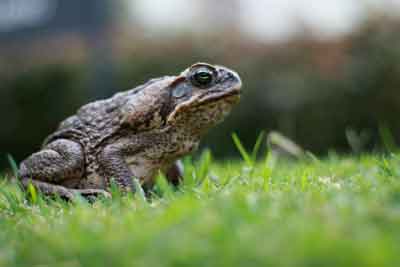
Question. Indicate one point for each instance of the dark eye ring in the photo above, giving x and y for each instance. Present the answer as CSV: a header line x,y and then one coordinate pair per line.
x,y
202,78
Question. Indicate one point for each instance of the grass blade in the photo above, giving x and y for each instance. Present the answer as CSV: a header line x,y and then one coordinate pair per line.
x,y
32,193
189,173
13,164
242,150
387,138
139,190
257,146
204,166
163,186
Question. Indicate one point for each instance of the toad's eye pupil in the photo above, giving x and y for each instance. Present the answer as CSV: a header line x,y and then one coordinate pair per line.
x,y
203,78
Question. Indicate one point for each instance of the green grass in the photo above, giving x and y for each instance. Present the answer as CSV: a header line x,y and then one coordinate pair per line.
x,y
339,211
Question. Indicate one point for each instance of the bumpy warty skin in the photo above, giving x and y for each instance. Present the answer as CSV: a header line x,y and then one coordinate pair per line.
x,y
133,134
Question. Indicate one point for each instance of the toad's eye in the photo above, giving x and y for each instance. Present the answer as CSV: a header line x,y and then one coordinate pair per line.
x,y
202,78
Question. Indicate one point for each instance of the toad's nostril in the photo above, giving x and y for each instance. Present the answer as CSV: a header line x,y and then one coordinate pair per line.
x,y
233,78
228,76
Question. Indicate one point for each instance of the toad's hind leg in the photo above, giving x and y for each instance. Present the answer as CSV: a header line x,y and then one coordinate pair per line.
x,y
60,160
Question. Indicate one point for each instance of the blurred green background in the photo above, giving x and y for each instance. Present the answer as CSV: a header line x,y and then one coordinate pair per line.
x,y
326,74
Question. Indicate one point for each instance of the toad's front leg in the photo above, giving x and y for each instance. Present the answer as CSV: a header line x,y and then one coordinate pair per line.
x,y
114,166
114,162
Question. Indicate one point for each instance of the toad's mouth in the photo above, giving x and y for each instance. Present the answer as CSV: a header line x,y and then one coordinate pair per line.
x,y
231,96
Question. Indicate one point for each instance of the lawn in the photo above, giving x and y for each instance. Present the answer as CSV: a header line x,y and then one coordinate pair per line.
x,y
336,211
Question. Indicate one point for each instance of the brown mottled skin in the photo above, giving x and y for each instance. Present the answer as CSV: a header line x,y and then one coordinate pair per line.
x,y
133,134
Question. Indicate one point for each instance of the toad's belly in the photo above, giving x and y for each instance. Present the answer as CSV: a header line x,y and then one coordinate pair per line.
x,y
144,169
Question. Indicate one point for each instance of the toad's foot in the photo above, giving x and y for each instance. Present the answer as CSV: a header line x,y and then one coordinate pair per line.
x,y
65,193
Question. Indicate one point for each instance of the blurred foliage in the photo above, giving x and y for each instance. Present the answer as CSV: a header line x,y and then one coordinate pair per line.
x,y
33,102
319,93
312,91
